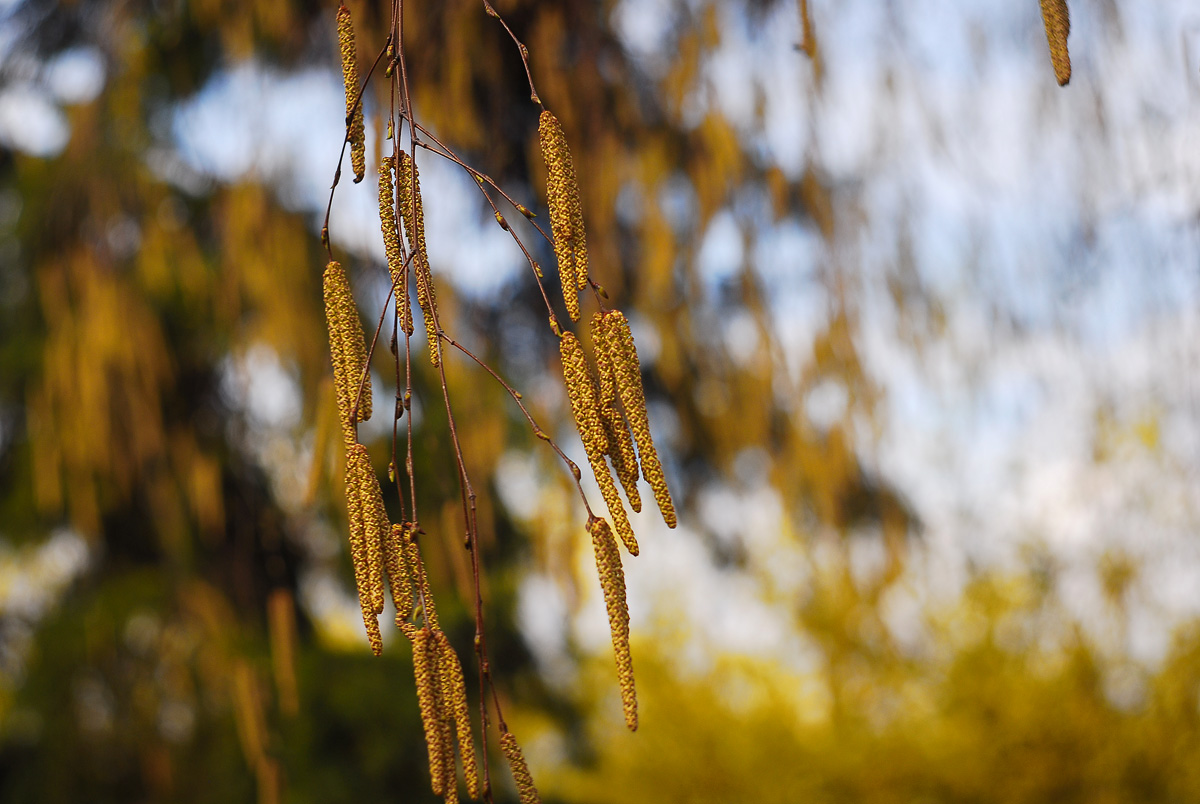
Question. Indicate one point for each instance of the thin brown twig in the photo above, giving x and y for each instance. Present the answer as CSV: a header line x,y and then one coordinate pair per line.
x,y
524,51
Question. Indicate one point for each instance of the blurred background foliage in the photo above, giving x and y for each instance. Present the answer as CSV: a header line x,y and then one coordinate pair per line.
x,y
176,620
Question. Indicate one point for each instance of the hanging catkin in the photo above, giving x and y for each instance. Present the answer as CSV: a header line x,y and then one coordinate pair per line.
x,y
425,670
620,442
586,408
566,212
354,111
612,581
391,242
399,578
520,771
1058,26
408,184
417,568
347,349
623,353
454,696
365,505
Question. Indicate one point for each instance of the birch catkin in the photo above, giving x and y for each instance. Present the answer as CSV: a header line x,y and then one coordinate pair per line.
x,y
620,442
612,581
391,242
566,212
347,349
520,771
408,180
1057,20
399,579
586,409
425,667
354,112
623,353
454,697
367,520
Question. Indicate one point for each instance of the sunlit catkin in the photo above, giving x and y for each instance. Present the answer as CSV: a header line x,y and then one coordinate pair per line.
x,y
586,409
520,771
454,696
399,579
566,212
408,182
417,568
620,442
347,349
354,112
365,505
612,581
623,353
425,667
1058,26
391,242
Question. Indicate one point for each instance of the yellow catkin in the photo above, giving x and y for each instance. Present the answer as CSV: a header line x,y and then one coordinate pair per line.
x,y
620,442
399,579
365,511
1058,26
520,771
454,693
425,667
347,349
408,182
566,212
612,581
585,406
354,112
623,353
417,567
391,242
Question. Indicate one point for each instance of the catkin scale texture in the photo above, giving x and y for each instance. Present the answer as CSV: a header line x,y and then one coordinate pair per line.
x,y
391,242
399,578
354,112
408,180
425,671
454,694
347,349
364,512
612,582
586,409
623,353
566,212
520,771
1057,20
620,442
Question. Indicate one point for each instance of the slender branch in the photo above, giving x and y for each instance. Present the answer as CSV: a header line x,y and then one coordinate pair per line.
x,y
524,51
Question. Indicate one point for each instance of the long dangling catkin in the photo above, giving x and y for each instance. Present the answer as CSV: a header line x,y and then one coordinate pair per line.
x,y
566,212
354,111
623,354
399,579
454,696
520,771
585,406
620,442
391,242
347,349
365,502
408,182
425,670
612,581
1058,26
417,568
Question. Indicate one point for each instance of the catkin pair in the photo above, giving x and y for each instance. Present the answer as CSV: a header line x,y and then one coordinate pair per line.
x,y
616,341
354,112
1057,20
442,698
368,526
612,582
585,406
408,188
620,442
347,349
566,212
391,242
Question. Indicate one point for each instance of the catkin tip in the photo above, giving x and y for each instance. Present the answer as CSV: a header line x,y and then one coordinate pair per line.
x,y
1057,19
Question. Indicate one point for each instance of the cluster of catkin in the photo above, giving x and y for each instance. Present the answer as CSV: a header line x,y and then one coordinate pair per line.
x,y
1058,26
607,402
